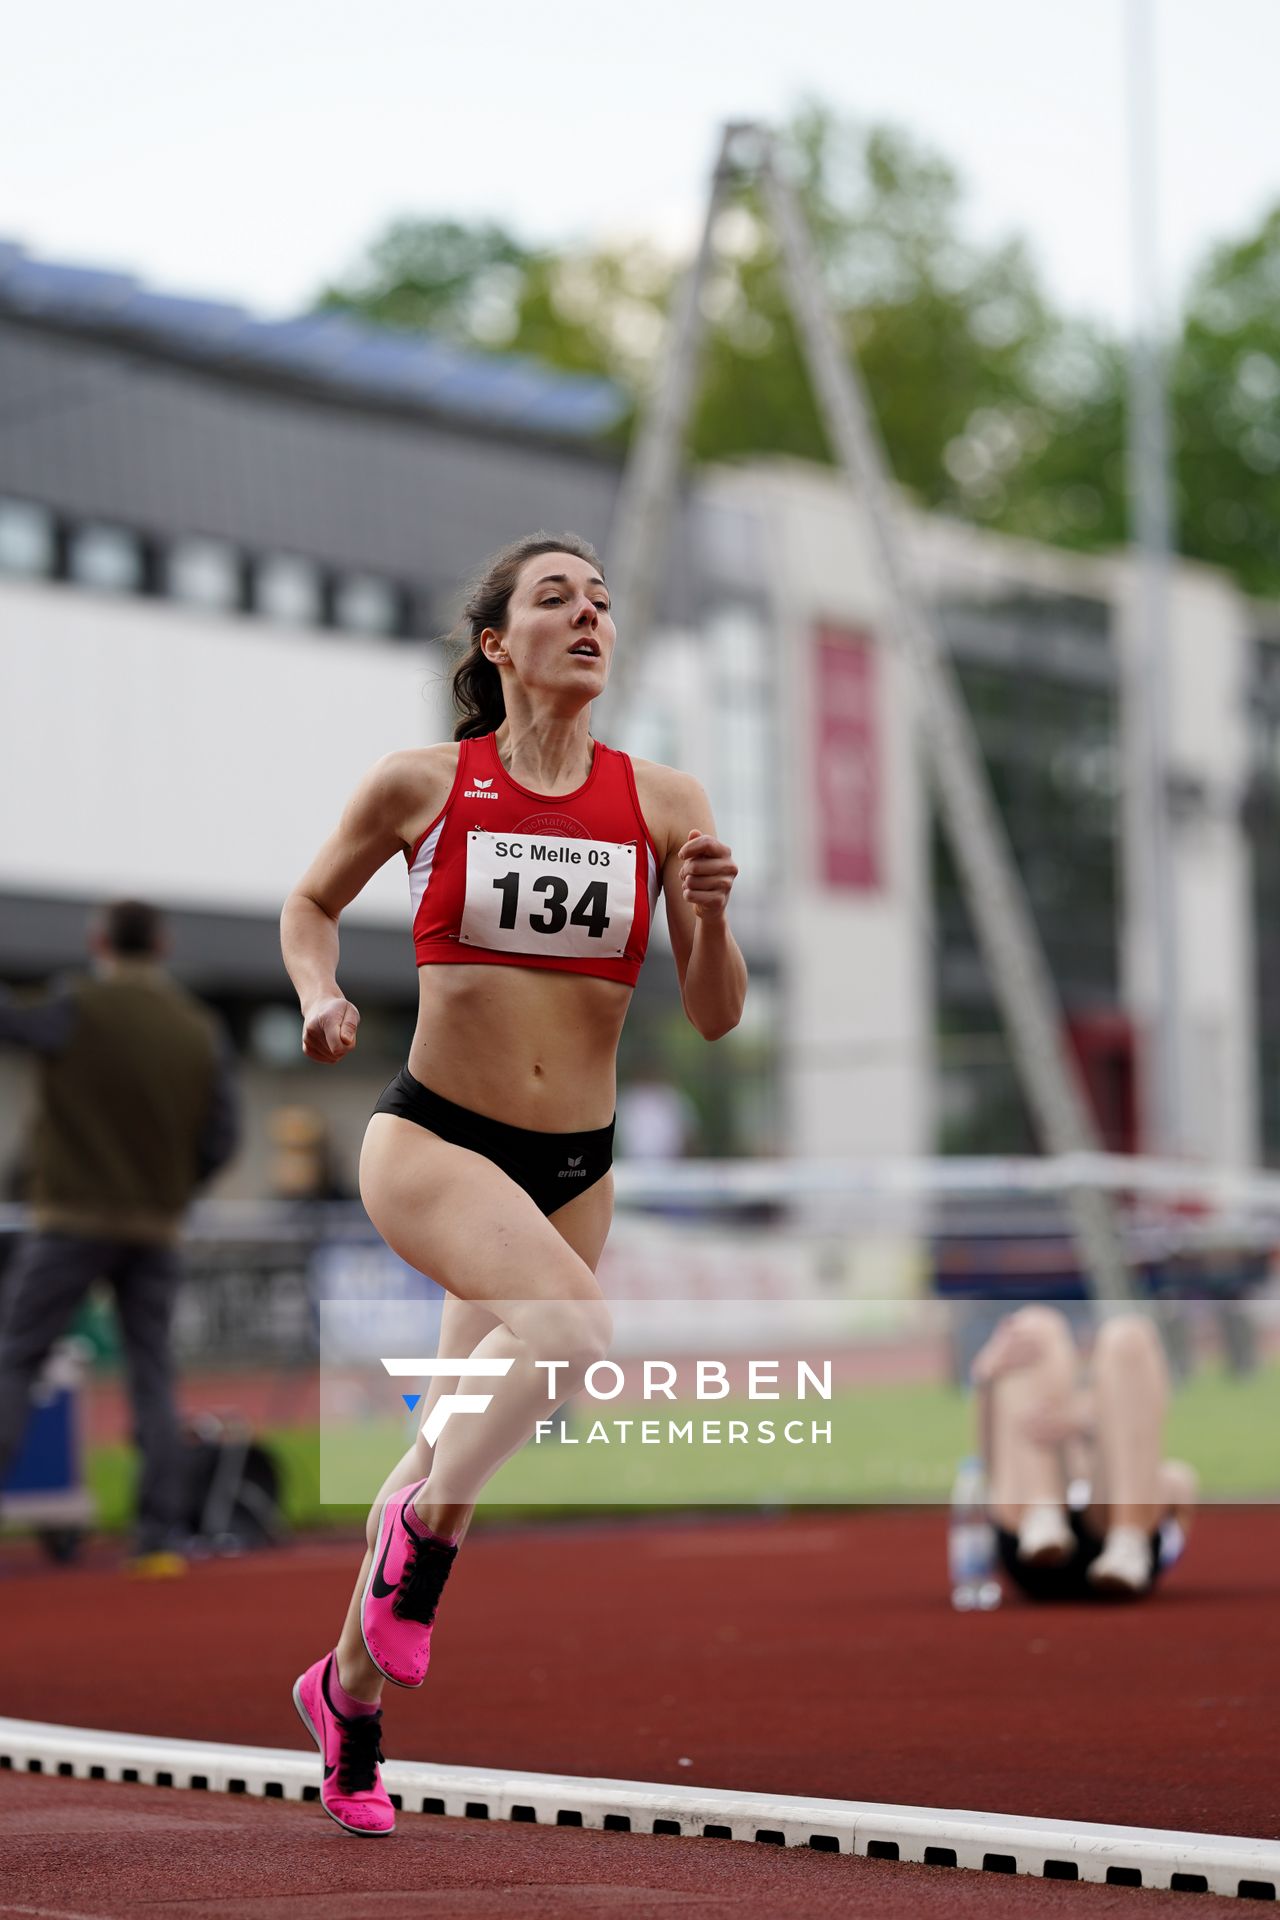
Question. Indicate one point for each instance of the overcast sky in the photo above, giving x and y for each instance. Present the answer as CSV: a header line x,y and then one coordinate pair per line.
x,y
247,150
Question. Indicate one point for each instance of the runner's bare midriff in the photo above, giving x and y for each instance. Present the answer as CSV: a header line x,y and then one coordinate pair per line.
x,y
529,1046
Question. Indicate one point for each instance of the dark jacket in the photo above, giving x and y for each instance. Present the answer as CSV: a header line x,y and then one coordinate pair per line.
x,y
135,1102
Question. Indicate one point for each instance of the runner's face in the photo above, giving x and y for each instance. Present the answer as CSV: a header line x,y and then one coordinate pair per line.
x,y
560,632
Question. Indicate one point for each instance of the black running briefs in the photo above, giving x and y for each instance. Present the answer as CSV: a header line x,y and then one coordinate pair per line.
x,y
553,1168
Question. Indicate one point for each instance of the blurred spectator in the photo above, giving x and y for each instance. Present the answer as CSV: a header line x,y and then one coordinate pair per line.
x,y
135,1108
656,1121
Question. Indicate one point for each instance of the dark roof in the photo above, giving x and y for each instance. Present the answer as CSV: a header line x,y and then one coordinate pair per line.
x,y
95,429
340,355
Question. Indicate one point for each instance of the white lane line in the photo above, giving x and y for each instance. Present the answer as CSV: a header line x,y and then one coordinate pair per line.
x,y
46,1913
994,1842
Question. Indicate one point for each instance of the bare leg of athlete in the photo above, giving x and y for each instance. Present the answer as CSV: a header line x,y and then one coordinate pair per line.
x,y
1130,1402
486,1242
1033,1361
462,1327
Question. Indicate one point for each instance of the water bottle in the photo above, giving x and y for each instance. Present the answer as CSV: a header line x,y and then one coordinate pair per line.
x,y
971,1543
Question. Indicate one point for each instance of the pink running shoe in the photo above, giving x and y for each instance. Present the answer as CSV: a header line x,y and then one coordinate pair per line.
x,y
351,1791
398,1606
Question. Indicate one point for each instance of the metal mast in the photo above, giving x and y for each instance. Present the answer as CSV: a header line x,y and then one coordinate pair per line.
x,y
1019,974
1151,520
642,518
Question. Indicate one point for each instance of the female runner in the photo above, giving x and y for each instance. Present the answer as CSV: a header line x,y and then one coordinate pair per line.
x,y
535,857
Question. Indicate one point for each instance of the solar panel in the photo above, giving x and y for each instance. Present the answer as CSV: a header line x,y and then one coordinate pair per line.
x,y
348,354
202,325
77,292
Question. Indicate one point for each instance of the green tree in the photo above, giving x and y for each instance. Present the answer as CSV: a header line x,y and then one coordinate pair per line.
x,y
437,276
991,405
598,311
1226,393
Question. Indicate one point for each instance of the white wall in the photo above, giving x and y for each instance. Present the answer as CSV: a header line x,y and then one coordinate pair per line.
x,y
197,760
1208,653
857,1042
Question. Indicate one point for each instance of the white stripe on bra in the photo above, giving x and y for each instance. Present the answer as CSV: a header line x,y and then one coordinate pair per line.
x,y
420,871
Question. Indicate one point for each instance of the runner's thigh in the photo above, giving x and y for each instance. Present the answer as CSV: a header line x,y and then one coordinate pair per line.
x,y
585,1220
454,1215
463,1325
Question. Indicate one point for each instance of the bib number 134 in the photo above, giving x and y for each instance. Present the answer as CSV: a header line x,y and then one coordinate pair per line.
x,y
591,911
526,894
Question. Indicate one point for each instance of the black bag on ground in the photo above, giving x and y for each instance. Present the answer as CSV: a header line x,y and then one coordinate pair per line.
x,y
230,1487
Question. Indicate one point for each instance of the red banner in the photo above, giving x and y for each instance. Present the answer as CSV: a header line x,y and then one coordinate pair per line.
x,y
847,760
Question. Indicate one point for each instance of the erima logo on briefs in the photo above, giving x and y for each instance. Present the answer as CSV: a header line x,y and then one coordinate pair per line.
x,y
477,791
574,1171
434,1424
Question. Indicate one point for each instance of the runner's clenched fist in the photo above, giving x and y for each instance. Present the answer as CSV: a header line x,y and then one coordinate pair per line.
x,y
329,1030
707,874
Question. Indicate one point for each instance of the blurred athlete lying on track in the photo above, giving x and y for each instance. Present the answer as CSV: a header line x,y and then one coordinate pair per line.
x,y
535,858
1050,1429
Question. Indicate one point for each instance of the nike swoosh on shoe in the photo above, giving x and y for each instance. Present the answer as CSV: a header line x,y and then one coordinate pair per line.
x,y
380,1589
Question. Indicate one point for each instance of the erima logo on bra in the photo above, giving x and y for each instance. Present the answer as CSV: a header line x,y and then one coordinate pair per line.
x,y
477,791
574,1171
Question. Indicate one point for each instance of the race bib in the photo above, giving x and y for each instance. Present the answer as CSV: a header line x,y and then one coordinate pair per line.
x,y
529,893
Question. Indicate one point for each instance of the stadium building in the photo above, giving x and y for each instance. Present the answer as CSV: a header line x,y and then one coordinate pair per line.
x,y
229,548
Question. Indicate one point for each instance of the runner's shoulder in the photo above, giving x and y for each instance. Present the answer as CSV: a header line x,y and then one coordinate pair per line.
x,y
410,785
666,795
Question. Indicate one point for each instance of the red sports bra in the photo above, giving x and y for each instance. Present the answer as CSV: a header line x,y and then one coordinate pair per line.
x,y
513,878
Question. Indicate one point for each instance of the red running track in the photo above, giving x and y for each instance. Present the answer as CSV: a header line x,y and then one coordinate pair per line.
x,y
71,1850
814,1654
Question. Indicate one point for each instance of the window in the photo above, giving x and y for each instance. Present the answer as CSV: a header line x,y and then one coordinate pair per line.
x,y
1040,681
365,604
26,538
203,573
106,558
289,589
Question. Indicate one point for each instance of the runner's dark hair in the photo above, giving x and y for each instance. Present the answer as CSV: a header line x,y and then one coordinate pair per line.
x,y
476,682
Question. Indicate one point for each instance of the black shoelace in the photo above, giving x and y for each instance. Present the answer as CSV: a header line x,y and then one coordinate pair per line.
x,y
422,1581
359,1752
